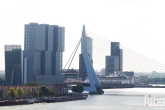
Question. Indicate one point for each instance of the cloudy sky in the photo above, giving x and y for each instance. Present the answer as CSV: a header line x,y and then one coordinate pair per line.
x,y
137,24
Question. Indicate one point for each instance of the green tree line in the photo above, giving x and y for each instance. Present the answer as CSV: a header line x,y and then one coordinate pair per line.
x,y
19,92
154,80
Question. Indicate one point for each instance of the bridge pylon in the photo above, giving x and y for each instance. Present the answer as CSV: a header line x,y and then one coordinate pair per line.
x,y
95,86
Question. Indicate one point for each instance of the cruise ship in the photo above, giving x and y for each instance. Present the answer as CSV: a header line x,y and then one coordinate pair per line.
x,y
118,81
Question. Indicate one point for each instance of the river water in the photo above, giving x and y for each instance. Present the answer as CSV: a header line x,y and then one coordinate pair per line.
x,y
112,99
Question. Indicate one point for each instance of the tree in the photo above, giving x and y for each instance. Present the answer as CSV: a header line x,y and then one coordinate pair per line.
x,y
74,89
20,92
31,84
78,88
36,93
28,92
51,92
44,90
12,92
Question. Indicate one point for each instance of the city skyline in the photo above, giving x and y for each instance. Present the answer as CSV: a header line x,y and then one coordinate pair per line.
x,y
137,25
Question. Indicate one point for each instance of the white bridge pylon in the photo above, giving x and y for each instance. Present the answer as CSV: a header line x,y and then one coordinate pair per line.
x,y
94,82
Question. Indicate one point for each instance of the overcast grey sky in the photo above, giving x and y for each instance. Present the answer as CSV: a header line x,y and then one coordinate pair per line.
x,y
137,24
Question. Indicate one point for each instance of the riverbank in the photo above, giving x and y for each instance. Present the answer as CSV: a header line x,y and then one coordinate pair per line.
x,y
46,100
66,98
148,86
17,102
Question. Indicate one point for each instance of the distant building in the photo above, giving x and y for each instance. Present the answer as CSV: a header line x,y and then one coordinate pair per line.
x,y
114,63
128,73
102,72
43,55
13,65
97,72
2,75
82,68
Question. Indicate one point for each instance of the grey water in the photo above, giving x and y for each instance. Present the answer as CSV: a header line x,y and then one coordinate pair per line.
x,y
112,99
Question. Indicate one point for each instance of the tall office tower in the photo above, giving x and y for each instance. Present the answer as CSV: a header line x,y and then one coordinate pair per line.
x,y
13,65
114,63
29,47
47,53
115,49
82,68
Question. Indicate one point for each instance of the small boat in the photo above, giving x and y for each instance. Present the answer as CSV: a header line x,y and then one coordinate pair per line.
x,y
30,101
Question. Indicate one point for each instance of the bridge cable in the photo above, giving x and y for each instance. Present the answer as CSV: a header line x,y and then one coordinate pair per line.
x,y
73,53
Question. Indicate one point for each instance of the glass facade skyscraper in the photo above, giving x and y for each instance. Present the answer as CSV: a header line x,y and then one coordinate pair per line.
x,y
114,63
13,65
47,51
29,47
115,49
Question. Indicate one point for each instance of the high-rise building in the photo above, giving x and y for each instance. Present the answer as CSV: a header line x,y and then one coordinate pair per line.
x,y
13,65
114,63
115,49
29,47
46,54
89,47
82,68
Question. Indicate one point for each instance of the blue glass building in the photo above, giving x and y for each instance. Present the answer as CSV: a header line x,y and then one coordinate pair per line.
x,y
13,65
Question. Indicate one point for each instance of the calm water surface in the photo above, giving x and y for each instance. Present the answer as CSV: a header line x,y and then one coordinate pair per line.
x,y
112,99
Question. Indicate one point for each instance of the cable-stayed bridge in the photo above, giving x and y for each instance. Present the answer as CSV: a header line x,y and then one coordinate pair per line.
x,y
131,61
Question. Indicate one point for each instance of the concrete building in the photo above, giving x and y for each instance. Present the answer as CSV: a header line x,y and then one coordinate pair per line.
x,y
13,65
43,60
114,63
82,68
